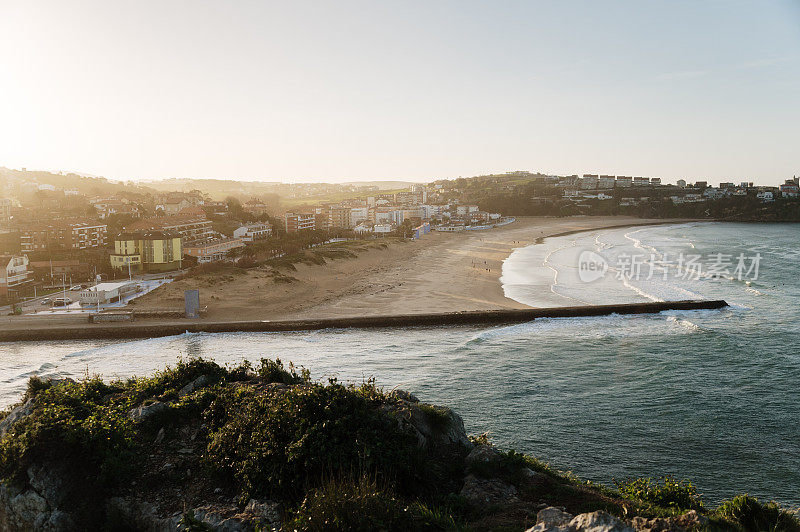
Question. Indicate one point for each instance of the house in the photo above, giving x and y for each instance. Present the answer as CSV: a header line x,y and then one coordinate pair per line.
x,y
766,196
250,233
14,273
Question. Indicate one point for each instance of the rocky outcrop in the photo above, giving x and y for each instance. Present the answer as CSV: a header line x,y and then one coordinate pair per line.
x,y
434,426
555,520
28,510
17,414
144,413
141,515
483,493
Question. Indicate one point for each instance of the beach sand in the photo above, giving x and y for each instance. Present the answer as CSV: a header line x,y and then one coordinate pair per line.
x,y
442,272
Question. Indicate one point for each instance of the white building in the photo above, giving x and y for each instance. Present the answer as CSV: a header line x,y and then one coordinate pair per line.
x,y
250,233
108,292
358,215
13,272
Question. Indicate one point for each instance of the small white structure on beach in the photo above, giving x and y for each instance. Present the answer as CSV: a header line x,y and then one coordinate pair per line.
x,y
107,292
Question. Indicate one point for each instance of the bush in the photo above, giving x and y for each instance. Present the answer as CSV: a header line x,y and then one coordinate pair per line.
x,y
753,516
667,493
273,371
361,505
277,445
73,426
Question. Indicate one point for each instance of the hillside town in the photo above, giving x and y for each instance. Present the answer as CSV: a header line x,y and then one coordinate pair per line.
x,y
65,234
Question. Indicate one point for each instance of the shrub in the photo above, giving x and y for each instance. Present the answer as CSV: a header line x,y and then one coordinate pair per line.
x,y
667,493
71,425
276,445
167,383
361,506
753,516
273,371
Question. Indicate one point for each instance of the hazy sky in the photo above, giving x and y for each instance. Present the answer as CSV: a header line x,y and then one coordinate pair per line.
x,y
355,90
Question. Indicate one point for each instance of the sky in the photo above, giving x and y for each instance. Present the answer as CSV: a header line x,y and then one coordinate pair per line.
x,y
414,90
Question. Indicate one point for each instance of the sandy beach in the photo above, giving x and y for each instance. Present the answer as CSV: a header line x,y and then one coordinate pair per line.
x,y
442,272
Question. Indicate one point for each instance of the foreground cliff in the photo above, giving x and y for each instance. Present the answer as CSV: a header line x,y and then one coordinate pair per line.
x,y
201,447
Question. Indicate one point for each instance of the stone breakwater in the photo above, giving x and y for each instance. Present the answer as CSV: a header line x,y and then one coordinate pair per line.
x,y
78,331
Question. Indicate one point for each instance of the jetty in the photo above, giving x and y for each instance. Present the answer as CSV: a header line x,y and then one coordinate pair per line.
x,y
131,328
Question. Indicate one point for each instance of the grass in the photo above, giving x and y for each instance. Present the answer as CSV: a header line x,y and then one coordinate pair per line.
x,y
753,516
361,505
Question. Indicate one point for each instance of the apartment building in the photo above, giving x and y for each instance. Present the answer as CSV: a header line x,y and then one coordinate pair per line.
x,y
147,251
299,221
254,232
74,235
190,228
14,273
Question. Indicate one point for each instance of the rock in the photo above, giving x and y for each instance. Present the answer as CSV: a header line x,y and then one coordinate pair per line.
x,y
51,481
553,516
598,521
195,385
403,395
692,519
659,524
554,520
17,414
143,413
429,432
482,493
484,460
268,511
159,436
534,481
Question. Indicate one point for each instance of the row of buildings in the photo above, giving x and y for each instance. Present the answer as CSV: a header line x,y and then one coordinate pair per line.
x,y
383,213
159,244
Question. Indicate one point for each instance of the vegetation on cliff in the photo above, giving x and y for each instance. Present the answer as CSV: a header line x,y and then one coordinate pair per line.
x,y
258,447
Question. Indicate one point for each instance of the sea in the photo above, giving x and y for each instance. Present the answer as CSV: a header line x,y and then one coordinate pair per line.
x,y
712,396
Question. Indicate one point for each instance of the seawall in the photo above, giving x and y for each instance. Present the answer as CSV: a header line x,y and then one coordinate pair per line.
x,y
490,317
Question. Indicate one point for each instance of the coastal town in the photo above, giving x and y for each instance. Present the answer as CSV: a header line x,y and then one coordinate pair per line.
x,y
82,243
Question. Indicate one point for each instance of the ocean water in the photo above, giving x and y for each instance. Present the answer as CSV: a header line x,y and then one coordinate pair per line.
x,y
713,396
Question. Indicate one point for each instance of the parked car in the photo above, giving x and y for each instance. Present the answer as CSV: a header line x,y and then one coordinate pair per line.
x,y
61,301
76,287
46,301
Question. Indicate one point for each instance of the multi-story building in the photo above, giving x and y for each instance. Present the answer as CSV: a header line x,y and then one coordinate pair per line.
x,y
147,251
74,235
623,181
190,228
641,181
605,181
299,221
254,232
358,215
338,217
14,273
213,250
5,208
